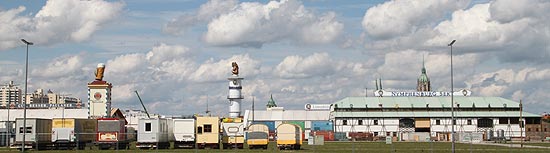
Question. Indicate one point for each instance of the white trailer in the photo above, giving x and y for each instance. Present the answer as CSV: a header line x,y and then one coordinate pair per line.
x,y
37,133
184,133
153,133
233,135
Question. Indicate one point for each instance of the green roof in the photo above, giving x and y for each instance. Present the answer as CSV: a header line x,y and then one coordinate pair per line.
x,y
423,77
476,114
420,102
271,103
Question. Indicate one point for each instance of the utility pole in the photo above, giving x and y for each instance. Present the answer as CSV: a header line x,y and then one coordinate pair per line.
x,y
452,101
521,124
253,109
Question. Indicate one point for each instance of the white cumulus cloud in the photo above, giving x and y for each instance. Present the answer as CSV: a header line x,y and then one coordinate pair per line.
x,y
206,12
219,70
57,21
400,17
253,24
61,66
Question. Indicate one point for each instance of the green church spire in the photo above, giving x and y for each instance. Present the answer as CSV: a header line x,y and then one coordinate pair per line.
x,y
423,80
271,103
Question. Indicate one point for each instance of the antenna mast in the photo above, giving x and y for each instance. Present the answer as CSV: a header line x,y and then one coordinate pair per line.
x,y
207,111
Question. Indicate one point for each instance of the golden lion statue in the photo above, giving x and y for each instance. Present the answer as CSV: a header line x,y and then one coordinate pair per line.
x,y
235,70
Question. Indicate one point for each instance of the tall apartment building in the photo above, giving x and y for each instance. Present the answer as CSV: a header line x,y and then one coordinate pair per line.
x,y
39,97
9,94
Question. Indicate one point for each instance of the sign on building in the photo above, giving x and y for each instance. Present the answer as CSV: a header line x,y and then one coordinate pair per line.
x,y
317,106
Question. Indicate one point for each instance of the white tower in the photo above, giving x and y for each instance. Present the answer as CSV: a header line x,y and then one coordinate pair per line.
x,y
234,94
99,95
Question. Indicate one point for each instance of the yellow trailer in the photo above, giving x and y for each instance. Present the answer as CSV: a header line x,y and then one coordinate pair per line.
x,y
257,136
208,132
289,136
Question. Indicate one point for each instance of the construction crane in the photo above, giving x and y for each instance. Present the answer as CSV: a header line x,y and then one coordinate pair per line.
x,y
142,104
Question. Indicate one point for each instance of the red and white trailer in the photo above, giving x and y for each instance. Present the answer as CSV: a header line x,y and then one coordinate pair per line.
x,y
111,133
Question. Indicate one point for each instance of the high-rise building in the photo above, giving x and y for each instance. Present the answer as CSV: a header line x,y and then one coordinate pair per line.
x,y
9,94
38,97
54,98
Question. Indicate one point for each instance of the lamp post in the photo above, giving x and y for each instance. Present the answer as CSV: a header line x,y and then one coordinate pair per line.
x,y
452,101
25,102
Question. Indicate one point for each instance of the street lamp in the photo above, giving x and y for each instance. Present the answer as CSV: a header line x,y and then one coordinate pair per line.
x,y
452,101
25,102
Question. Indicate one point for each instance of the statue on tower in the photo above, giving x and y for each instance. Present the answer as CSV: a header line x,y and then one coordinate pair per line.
x,y
235,70
99,72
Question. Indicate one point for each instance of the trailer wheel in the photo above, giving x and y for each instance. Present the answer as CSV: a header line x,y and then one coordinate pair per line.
x,y
265,147
122,146
104,146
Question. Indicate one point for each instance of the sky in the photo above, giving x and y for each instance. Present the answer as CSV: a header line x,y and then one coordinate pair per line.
x,y
177,54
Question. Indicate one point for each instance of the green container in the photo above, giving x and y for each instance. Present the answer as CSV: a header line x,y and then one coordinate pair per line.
x,y
299,123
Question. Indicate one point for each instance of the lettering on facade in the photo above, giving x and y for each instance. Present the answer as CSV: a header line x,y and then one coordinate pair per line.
x,y
38,106
382,93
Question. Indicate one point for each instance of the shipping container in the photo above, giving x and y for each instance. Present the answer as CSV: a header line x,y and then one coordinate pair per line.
x,y
328,135
38,133
361,136
68,133
340,136
208,132
153,133
289,136
184,133
322,126
111,133
257,136
232,135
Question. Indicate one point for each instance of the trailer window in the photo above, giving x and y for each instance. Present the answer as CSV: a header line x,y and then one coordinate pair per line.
x,y
199,130
208,128
29,130
147,127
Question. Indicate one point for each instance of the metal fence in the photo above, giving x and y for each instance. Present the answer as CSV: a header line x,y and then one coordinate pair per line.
x,y
466,142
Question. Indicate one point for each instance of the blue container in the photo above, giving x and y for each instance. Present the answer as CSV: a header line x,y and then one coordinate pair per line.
x,y
321,126
270,125
340,136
